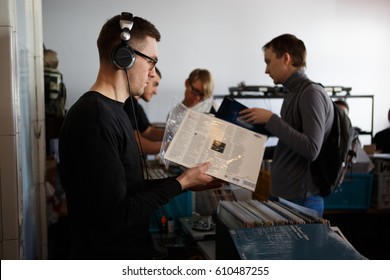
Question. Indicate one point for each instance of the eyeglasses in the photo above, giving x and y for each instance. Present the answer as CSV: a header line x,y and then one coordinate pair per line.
x,y
197,93
151,61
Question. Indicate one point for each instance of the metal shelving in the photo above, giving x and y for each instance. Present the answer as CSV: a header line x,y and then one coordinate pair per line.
x,y
243,91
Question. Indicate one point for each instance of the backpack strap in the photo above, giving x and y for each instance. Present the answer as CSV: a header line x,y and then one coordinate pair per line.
x,y
297,121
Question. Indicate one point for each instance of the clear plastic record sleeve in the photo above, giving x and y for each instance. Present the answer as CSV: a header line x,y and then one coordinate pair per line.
x,y
235,153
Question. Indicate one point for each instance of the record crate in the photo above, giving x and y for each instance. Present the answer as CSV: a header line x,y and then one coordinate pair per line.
x,y
353,193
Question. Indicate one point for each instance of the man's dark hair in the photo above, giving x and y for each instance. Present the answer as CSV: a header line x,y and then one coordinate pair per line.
x,y
342,103
158,72
290,44
109,36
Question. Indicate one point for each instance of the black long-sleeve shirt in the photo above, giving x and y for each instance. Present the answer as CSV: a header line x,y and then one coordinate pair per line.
x,y
108,200
382,140
139,113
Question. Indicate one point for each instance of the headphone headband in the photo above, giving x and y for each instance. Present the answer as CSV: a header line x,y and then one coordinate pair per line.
x,y
123,55
126,23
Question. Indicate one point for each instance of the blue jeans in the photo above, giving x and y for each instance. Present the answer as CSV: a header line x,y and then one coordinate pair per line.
x,y
315,202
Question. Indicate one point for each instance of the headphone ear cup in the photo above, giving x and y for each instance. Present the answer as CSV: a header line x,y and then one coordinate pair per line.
x,y
123,56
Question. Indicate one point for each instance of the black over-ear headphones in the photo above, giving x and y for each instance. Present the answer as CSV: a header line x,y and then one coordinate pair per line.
x,y
123,55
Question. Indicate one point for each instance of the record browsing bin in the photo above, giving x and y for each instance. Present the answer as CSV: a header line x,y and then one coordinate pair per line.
x,y
354,193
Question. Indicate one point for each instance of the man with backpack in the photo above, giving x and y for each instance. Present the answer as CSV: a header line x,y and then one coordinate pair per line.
x,y
55,98
306,120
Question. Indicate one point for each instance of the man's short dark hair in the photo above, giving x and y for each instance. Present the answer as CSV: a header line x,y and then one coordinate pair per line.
x,y
342,103
290,44
109,36
158,72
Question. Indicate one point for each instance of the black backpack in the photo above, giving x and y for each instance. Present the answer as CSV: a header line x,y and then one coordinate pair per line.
x,y
337,152
55,93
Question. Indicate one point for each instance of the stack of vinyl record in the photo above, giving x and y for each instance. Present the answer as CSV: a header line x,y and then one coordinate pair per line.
x,y
255,213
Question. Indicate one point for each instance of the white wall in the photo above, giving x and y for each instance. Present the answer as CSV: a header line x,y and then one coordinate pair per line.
x,y
22,200
348,43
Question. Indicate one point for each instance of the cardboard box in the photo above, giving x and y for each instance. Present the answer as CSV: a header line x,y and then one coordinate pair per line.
x,y
381,187
263,186
362,163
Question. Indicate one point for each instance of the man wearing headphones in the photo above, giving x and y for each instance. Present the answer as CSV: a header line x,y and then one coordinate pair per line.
x,y
108,199
149,136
